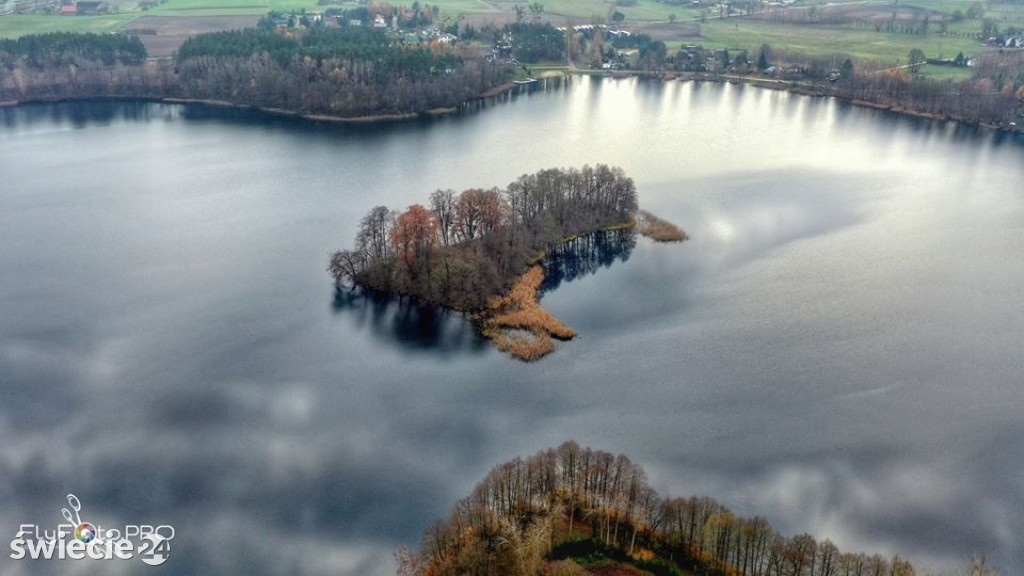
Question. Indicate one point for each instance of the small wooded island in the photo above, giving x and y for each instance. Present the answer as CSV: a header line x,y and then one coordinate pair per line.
x,y
479,251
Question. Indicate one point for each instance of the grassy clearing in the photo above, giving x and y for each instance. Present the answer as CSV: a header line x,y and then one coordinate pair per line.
x,y
659,230
231,7
826,41
946,73
16,25
518,325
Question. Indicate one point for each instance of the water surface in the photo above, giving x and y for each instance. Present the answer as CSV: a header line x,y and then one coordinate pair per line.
x,y
838,347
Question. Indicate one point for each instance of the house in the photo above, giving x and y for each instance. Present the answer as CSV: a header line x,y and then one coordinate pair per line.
x,y
69,9
379,21
90,7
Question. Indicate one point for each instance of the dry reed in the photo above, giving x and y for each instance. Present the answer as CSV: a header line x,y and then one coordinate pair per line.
x,y
518,325
659,230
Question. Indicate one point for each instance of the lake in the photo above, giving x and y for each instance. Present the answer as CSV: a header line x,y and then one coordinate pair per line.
x,y
838,348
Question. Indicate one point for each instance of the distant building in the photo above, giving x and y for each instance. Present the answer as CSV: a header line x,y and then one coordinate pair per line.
x,y
379,21
89,7
69,9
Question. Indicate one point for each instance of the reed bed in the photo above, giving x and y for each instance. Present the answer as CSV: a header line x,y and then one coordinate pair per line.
x,y
519,326
659,230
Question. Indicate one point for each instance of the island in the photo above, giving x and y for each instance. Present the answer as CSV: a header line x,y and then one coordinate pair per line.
x,y
577,511
479,251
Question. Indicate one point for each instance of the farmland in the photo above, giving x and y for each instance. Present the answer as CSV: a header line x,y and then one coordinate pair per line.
x,y
866,30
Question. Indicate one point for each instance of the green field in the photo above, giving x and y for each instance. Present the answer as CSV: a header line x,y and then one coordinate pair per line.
x,y
644,10
15,25
231,7
826,41
946,73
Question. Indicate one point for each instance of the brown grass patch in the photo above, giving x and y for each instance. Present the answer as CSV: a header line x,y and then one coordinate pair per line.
x,y
518,325
659,230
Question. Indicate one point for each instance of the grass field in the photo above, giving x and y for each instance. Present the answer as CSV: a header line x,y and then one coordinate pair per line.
x,y
946,73
15,25
230,7
826,41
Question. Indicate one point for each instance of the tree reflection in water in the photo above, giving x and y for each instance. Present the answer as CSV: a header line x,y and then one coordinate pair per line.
x,y
586,255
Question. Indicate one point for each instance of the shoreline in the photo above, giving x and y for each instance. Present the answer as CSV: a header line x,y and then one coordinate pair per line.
x,y
818,92
501,89
785,86
279,112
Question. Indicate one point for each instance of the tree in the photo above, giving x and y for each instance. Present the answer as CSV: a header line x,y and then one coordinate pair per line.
x,y
846,70
989,27
618,17
374,233
414,239
762,57
653,54
346,265
979,566
536,10
916,59
672,18
442,204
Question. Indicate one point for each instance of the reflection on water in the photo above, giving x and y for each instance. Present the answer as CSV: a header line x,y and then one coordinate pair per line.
x,y
586,255
82,115
412,326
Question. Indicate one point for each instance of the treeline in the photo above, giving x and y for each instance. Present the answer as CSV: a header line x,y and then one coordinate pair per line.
x,y
59,49
578,498
73,65
462,249
994,96
536,42
353,71
980,100
348,72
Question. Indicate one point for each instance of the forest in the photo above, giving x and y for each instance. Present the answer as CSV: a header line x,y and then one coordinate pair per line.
x,y
349,72
58,49
462,249
572,511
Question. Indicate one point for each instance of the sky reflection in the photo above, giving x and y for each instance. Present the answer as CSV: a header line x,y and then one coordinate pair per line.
x,y
837,348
